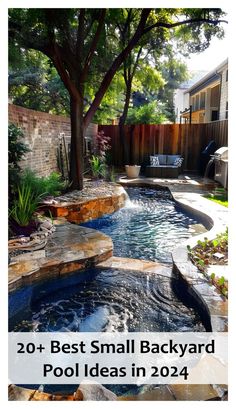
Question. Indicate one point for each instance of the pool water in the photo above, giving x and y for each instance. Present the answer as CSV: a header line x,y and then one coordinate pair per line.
x,y
104,300
149,227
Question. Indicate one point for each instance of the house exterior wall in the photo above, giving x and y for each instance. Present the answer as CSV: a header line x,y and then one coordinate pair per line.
x,y
208,97
181,101
224,94
208,106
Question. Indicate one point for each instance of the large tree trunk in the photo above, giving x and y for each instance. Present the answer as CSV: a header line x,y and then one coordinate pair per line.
x,y
77,143
125,148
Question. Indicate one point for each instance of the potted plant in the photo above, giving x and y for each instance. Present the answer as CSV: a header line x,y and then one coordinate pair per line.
x,y
132,171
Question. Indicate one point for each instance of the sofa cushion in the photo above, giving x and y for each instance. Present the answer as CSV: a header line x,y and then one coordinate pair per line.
x,y
171,159
162,159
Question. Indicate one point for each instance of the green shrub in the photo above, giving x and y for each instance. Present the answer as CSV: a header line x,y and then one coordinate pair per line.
x,y
98,167
54,184
24,205
30,191
43,186
111,175
16,151
16,148
149,113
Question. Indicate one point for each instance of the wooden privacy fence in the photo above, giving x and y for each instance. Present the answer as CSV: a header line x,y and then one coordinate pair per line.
x,y
189,140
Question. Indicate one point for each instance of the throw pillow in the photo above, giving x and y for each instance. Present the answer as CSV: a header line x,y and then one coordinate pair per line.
x,y
178,162
154,161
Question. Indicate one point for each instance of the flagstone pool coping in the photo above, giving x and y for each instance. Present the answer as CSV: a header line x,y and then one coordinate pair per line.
x,y
69,248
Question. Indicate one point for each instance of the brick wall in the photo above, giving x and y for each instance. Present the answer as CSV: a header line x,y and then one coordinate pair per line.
x,y
41,134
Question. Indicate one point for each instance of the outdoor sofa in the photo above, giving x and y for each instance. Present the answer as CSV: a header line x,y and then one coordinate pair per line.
x,y
164,166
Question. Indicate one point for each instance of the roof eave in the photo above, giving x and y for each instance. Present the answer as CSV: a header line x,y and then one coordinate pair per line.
x,y
207,77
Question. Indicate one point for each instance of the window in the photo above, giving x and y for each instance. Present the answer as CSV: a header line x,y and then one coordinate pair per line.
x,y
226,110
193,103
197,102
226,75
214,115
202,100
215,96
201,117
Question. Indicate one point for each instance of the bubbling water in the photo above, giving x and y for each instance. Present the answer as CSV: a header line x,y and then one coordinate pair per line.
x,y
114,301
149,227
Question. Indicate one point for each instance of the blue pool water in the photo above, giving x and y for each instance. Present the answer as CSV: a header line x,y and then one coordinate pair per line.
x,y
148,227
103,300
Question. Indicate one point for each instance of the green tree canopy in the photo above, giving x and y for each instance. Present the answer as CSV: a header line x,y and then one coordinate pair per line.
x,y
34,83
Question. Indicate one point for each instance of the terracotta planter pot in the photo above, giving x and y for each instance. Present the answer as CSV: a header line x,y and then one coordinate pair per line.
x,y
132,171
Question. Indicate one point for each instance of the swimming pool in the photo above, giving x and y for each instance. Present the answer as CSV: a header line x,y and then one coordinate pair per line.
x,y
149,227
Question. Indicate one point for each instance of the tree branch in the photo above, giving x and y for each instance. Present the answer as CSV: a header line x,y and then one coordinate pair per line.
x,y
69,84
180,23
67,57
80,38
26,41
53,52
93,45
114,67
125,73
127,26
136,62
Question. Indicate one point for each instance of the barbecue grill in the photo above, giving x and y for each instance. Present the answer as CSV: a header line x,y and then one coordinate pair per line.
x,y
221,166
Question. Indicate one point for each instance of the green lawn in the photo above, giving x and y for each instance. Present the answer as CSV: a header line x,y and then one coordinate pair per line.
x,y
222,201
220,196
